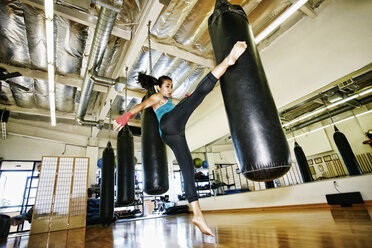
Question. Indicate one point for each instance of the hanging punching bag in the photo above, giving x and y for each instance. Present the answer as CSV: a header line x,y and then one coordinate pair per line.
x,y
260,145
106,206
346,152
154,157
125,168
269,184
302,164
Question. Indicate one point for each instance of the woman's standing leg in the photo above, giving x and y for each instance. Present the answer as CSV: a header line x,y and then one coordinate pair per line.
x,y
180,148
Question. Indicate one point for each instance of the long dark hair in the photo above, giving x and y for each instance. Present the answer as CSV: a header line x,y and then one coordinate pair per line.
x,y
148,82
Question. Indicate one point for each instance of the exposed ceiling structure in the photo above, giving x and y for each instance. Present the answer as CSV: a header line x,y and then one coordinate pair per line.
x,y
180,47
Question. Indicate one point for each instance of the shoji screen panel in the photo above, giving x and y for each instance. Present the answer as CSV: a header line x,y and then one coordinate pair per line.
x,y
78,204
62,194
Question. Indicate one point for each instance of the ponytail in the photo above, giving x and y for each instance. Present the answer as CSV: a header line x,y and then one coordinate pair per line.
x,y
146,81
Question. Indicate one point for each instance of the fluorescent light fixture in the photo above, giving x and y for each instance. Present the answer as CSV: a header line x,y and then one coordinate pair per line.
x,y
48,9
294,7
50,40
337,122
52,106
49,25
51,77
328,107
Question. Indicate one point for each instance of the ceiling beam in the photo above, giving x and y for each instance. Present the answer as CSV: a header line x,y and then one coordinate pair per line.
x,y
40,131
180,53
68,80
306,9
37,111
128,56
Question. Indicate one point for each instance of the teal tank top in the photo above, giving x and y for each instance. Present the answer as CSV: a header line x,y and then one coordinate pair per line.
x,y
162,110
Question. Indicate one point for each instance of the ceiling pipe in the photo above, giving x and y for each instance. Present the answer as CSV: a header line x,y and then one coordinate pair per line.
x,y
363,101
105,24
105,81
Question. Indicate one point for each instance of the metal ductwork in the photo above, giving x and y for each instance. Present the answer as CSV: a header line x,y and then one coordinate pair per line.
x,y
105,24
105,81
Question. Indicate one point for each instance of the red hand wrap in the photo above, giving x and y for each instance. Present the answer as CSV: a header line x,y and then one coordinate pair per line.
x,y
122,120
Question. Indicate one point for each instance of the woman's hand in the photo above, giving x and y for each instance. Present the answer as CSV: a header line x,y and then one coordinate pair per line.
x,y
236,51
120,122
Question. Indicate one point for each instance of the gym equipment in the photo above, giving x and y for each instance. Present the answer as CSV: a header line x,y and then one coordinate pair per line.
x,y
198,162
154,157
160,204
269,184
106,206
125,168
260,144
205,164
4,225
99,163
302,164
346,152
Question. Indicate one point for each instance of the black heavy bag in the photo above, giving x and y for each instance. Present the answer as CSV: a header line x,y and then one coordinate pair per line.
x,y
154,157
347,154
125,168
260,145
4,225
106,206
302,164
270,184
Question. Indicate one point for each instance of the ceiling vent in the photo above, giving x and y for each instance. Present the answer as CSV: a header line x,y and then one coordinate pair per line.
x,y
348,86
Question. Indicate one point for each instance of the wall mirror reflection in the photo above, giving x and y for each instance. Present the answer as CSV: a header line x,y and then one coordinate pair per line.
x,y
309,121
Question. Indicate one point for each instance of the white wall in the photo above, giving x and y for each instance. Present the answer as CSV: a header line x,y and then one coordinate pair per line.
x,y
308,193
21,148
313,53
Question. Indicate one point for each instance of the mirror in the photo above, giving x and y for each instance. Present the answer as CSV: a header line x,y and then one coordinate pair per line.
x,y
346,102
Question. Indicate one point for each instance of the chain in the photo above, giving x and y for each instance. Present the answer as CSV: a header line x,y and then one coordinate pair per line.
x,y
110,115
126,89
325,104
149,38
290,128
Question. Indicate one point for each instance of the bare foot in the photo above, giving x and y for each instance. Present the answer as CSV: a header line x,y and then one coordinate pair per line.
x,y
236,52
202,225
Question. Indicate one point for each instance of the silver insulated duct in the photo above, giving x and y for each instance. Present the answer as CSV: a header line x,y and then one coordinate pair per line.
x,y
105,23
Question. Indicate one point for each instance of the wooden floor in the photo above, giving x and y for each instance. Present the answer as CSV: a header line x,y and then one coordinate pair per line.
x,y
322,227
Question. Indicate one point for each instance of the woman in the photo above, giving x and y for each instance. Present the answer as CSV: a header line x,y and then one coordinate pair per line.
x,y
172,121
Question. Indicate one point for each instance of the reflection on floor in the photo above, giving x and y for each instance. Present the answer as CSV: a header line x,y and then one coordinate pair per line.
x,y
322,227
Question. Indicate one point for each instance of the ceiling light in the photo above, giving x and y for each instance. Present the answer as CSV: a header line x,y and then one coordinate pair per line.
x,y
294,7
49,25
328,107
335,98
337,122
48,9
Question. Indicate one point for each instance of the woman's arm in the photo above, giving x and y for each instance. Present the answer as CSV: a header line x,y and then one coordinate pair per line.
x,y
149,102
122,120
235,53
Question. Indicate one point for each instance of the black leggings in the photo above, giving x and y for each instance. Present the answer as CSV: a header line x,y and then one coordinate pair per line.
x,y
172,126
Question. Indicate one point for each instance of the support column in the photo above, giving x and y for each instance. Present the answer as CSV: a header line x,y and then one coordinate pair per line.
x,y
211,165
92,154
